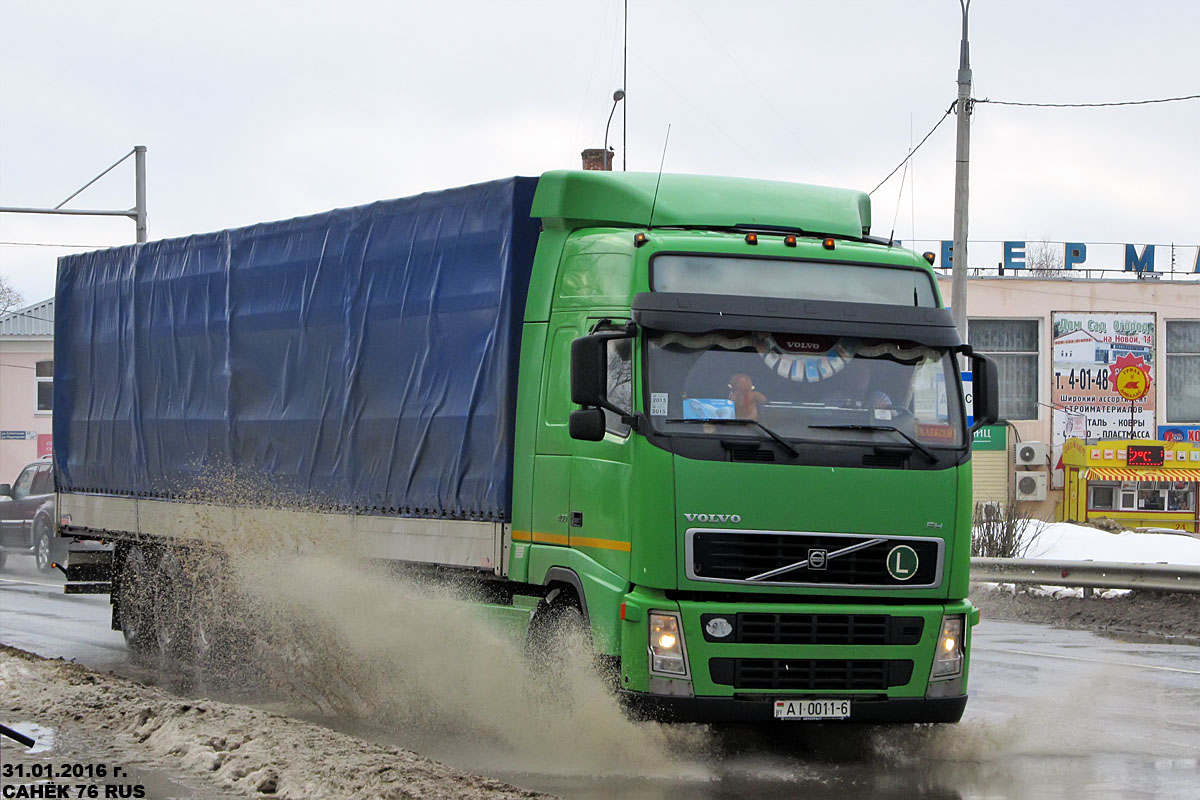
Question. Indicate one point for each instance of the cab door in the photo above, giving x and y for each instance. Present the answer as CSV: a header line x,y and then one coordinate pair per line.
x,y
601,489
552,452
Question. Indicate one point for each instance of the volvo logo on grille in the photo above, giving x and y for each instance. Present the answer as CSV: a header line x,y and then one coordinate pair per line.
x,y
816,558
713,517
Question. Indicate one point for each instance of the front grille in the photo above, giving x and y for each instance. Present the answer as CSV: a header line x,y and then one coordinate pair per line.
x,y
815,629
738,556
810,674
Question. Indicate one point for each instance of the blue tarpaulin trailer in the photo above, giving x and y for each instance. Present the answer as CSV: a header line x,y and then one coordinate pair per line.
x,y
363,358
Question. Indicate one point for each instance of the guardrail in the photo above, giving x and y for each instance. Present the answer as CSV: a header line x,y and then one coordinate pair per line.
x,y
1087,574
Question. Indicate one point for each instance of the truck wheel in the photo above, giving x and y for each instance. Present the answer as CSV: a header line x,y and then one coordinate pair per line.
x,y
42,539
136,607
558,627
172,607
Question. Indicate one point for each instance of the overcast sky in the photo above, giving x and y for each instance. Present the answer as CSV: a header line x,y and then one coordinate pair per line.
x,y
254,111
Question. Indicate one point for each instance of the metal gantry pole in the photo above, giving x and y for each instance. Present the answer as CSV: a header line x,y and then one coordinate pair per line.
x,y
962,158
139,197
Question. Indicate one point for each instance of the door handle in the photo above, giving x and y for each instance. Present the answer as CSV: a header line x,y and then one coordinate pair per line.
x,y
576,519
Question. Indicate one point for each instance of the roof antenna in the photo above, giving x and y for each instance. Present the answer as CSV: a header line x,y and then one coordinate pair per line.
x,y
657,183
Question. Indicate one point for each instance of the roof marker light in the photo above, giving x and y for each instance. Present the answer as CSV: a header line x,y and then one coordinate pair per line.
x,y
640,239
828,243
928,256
789,241
751,238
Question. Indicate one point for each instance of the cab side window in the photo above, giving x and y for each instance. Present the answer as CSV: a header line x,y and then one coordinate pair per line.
x,y
620,383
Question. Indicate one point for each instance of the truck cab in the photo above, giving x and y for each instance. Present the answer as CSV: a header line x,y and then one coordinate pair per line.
x,y
741,426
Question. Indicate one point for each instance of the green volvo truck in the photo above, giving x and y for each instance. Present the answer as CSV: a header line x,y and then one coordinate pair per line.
x,y
713,420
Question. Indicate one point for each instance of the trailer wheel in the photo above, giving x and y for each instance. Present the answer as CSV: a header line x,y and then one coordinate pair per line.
x,y
136,607
211,635
172,618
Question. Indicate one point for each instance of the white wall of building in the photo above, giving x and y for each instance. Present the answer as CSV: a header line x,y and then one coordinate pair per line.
x,y
1030,298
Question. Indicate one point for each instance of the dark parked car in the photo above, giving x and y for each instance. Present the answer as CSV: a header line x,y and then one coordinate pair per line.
x,y
27,516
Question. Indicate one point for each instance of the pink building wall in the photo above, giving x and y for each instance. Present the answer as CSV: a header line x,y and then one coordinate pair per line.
x,y
18,402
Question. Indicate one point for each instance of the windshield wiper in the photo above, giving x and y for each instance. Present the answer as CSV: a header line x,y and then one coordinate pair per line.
x,y
784,443
925,450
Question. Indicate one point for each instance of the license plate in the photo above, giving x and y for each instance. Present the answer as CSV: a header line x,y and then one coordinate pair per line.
x,y
812,709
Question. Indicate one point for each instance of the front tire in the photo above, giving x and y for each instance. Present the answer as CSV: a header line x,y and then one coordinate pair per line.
x,y
557,629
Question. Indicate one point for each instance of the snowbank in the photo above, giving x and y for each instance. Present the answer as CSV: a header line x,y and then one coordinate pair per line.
x,y
235,749
1065,541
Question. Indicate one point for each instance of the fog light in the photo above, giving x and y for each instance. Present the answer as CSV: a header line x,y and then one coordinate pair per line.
x,y
667,654
948,659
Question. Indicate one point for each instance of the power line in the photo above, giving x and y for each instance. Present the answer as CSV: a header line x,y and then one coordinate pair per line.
x,y
53,244
913,152
1089,105
25,314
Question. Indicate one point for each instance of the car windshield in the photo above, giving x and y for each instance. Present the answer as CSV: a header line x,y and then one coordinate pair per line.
x,y
804,387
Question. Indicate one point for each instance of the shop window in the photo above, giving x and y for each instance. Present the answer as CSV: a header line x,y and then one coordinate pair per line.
x,y
1183,370
1128,499
1181,497
1013,345
44,372
1102,497
1151,497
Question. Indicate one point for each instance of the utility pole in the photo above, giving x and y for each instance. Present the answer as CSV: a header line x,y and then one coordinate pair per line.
x,y
962,166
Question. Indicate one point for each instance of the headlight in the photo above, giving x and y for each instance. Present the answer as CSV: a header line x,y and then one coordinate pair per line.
x,y
948,660
666,644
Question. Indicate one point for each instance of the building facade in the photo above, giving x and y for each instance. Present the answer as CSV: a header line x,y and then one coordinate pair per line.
x,y
26,386
1110,359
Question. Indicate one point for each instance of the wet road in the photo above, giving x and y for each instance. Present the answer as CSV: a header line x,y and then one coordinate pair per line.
x,y
1053,714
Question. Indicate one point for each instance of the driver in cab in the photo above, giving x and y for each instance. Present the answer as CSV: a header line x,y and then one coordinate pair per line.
x,y
854,390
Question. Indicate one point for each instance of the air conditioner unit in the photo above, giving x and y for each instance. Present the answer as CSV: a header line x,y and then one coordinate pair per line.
x,y
1030,485
1030,454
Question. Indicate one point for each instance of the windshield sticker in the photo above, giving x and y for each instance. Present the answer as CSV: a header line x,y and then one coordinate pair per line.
x,y
708,408
658,403
939,433
883,413
811,372
809,359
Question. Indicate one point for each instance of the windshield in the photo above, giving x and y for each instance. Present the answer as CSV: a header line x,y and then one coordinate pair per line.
x,y
804,387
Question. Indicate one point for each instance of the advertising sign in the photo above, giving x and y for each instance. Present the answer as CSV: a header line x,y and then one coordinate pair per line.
x,y
1102,385
990,437
1179,433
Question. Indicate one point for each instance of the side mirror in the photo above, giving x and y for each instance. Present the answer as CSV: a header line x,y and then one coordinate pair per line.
x,y
5,490
589,360
986,391
586,424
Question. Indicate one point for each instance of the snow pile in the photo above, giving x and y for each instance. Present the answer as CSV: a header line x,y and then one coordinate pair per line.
x,y
1065,541
236,748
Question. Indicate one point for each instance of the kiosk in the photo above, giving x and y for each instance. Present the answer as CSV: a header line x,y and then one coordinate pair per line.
x,y
1140,483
